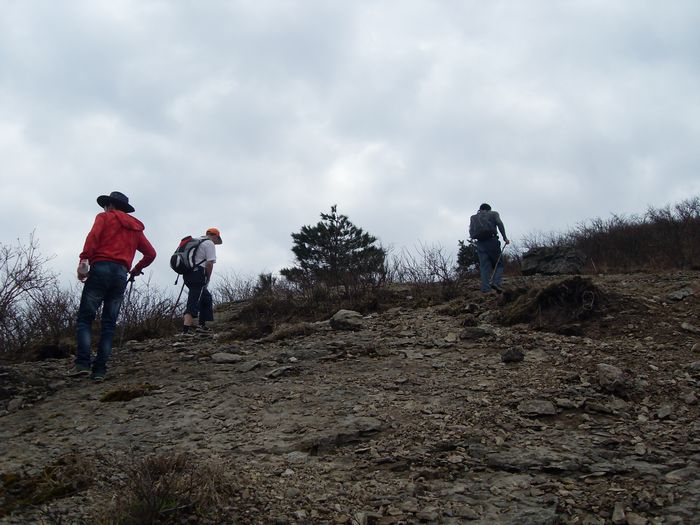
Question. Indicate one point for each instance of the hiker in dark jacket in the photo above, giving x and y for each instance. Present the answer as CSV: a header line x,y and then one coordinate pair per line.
x,y
484,227
104,264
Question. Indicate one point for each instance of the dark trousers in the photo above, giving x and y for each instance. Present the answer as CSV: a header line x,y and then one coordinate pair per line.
x,y
199,301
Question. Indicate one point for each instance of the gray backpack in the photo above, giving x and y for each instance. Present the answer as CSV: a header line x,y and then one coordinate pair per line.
x,y
481,228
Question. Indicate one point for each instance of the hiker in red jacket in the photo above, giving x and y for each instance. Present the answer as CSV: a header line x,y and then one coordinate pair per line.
x,y
104,264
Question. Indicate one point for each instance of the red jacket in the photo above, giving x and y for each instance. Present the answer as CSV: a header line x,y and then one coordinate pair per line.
x,y
115,237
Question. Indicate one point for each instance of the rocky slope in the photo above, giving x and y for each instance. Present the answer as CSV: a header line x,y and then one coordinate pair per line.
x,y
585,411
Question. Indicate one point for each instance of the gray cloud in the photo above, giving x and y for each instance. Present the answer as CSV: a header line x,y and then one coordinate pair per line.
x,y
255,117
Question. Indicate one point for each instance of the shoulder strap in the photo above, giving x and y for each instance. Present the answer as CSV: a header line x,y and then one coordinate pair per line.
x,y
194,252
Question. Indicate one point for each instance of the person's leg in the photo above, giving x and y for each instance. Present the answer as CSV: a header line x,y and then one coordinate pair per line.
x,y
206,307
110,312
192,308
90,300
195,282
500,267
187,319
493,248
485,266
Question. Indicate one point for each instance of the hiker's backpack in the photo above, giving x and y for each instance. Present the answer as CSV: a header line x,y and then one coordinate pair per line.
x,y
182,261
480,227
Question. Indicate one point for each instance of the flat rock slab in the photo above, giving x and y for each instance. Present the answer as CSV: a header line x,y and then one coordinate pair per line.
x,y
350,430
224,358
537,407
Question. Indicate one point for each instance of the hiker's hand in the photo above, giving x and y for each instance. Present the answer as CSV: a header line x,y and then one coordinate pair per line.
x,y
134,273
82,274
506,241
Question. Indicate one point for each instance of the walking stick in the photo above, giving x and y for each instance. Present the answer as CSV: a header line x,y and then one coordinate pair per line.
x,y
172,315
127,302
495,267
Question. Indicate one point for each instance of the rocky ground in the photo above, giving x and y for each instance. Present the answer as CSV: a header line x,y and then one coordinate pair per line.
x,y
584,411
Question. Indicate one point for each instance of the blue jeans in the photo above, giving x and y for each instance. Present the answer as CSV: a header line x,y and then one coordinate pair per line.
x,y
105,286
489,256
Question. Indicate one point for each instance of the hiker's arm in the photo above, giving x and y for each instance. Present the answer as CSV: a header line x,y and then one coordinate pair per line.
x,y
91,242
93,237
208,269
501,228
149,255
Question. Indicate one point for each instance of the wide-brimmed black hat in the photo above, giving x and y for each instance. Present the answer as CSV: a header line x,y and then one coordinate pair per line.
x,y
120,201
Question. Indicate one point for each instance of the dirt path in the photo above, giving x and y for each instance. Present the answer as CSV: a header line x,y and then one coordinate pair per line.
x,y
414,418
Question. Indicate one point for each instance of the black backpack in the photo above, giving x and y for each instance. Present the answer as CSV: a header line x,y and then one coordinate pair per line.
x,y
480,227
182,261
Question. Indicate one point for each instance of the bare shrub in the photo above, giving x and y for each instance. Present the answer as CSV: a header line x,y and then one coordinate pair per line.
x,y
231,287
660,239
422,265
287,331
428,269
32,305
169,488
146,311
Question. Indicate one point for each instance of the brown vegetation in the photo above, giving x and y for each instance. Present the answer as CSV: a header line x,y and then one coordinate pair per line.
x,y
661,239
171,488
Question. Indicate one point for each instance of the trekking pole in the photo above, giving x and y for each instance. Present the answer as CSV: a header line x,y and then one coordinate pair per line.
x,y
127,303
172,315
495,266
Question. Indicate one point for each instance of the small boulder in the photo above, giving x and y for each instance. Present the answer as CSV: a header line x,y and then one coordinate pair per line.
x,y
225,357
690,328
679,295
613,380
346,320
15,404
472,333
512,355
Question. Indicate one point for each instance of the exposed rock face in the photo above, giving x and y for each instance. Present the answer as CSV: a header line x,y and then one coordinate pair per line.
x,y
553,261
413,418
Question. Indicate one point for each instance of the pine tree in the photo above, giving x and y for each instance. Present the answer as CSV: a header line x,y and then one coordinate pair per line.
x,y
335,252
467,258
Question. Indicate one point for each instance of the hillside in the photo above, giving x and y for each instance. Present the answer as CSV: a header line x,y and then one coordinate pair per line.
x,y
415,417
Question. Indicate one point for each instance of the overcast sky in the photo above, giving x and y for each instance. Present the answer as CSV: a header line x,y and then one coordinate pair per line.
x,y
255,116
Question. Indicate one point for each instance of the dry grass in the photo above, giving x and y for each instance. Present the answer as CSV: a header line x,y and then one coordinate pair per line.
x,y
287,331
128,393
554,305
67,475
170,488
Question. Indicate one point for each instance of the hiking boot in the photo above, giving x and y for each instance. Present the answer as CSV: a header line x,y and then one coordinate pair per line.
x,y
203,330
186,335
97,377
78,371
497,287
